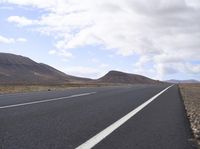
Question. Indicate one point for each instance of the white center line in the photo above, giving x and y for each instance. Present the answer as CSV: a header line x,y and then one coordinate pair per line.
x,y
46,100
104,133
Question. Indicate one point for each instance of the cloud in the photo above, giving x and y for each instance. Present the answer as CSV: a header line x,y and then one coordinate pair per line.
x,y
167,36
52,52
6,40
6,8
89,72
21,40
95,60
62,53
21,21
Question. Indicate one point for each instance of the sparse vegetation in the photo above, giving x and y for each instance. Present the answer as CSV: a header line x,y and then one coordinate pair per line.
x,y
191,96
4,89
26,88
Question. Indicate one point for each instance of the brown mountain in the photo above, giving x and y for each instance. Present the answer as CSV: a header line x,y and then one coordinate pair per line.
x,y
16,69
125,78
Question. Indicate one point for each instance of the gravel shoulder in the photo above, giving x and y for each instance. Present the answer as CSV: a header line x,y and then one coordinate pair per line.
x,y
191,97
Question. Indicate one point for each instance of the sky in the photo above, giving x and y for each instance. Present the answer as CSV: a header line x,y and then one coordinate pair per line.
x,y
156,38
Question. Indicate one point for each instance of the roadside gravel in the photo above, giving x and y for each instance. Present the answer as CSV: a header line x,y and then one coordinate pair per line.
x,y
191,96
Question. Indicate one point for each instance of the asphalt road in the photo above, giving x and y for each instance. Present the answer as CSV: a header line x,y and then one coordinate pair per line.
x,y
68,119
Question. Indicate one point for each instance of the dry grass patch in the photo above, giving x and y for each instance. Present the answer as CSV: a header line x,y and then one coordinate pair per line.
x,y
4,89
26,88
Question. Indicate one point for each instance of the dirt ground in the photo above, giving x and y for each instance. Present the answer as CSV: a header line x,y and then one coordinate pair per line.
x,y
5,89
191,96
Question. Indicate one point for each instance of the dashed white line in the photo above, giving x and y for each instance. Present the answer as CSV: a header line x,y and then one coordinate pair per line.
x,y
46,100
104,133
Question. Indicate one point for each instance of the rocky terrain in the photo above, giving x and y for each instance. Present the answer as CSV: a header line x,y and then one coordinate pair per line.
x,y
191,96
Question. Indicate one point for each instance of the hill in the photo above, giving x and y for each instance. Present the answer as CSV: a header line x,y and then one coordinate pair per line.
x,y
125,78
16,69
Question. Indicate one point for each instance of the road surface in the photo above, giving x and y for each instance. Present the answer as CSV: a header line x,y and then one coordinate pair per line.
x,y
126,117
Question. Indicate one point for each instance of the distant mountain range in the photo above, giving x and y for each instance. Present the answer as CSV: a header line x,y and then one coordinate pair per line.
x,y
182,81
16,69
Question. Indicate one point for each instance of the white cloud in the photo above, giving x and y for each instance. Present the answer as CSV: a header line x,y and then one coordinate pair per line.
x,y
104,65
81,71
167,36
6,40
52,52
94,60
62,53
35,3
173,68
6,8
21,21
21,40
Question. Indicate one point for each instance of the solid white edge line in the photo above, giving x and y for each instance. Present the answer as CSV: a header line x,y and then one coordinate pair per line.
x,y
104,133
46,100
